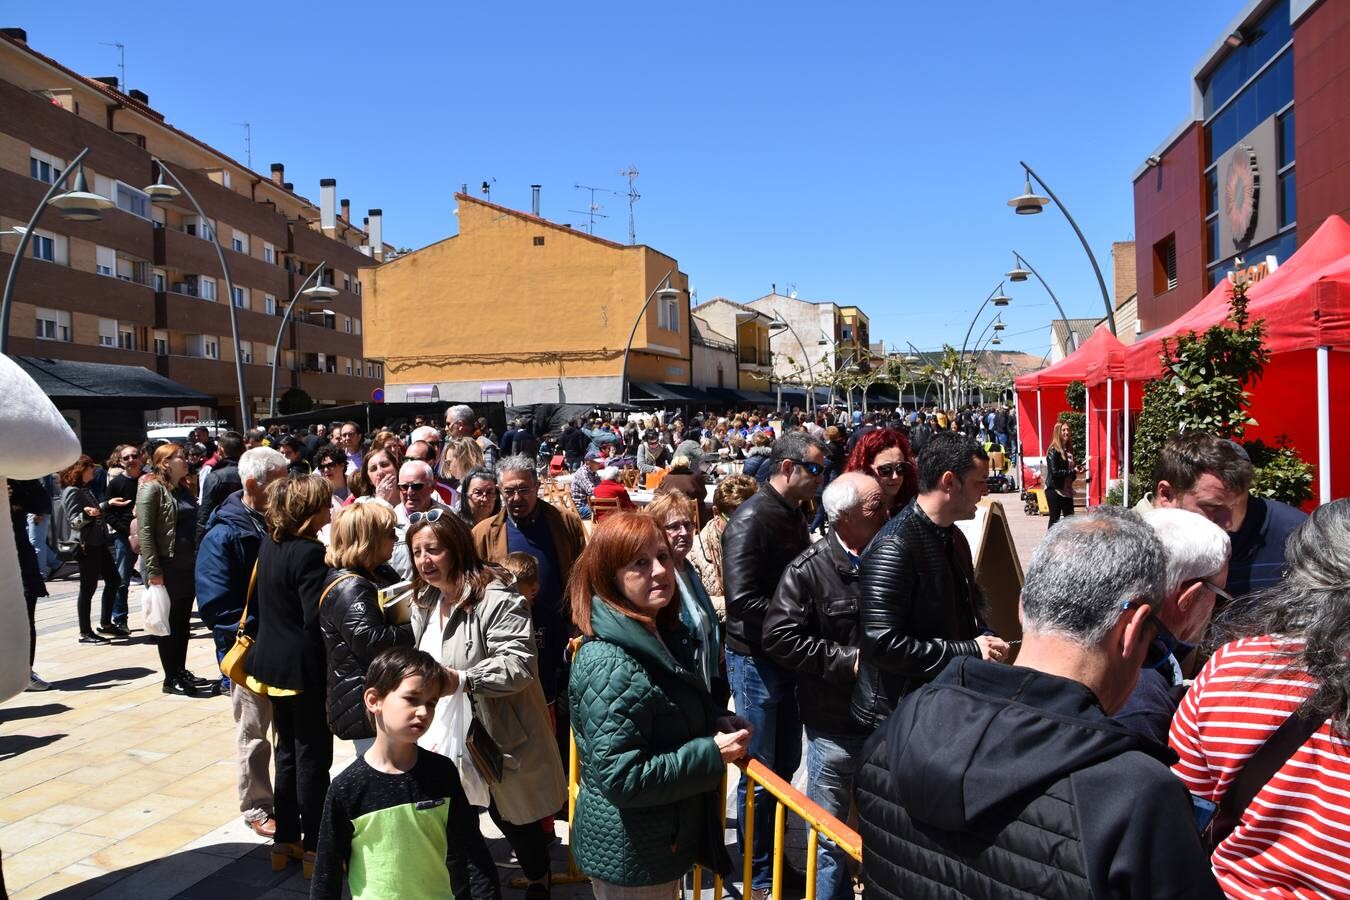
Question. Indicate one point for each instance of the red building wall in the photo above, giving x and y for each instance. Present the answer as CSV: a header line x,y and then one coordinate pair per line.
x,y
1322,115
1169,200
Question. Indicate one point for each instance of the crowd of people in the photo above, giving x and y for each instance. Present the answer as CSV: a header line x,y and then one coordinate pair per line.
x,y
681,594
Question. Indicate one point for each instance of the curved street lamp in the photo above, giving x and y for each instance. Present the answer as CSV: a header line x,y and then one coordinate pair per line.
x,y
1020,274
78,204
319,293
667,292
162,192
998,298
780,324
1029,204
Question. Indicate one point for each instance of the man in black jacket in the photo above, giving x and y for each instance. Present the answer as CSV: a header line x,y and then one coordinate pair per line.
x,y
920,604
812,628
222,481
999,781
765,533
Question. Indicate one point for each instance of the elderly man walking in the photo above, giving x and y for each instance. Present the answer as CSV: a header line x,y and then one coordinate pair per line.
x,y
1013,781
811,627
225,561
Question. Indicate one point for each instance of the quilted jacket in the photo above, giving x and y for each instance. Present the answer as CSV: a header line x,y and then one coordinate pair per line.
x,y
354,633
649,805
919,608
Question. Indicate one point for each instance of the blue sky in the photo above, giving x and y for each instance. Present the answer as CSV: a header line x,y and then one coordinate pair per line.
x,y
861,152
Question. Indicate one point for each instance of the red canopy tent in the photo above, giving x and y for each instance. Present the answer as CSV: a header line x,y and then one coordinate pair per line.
x,y
1040,395
1306,307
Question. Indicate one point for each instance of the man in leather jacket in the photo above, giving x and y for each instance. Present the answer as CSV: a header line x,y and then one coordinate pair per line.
x,y
765,534
812,628
920,604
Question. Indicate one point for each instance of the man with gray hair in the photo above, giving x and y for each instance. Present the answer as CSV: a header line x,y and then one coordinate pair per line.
x,y
459,421
417,497
996,780
1195,580
811,628
225,563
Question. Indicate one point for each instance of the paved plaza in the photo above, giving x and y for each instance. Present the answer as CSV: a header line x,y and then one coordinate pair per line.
x,y
111,789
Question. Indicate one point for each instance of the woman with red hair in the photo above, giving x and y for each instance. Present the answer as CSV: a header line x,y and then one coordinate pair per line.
x,y
652,743
886,456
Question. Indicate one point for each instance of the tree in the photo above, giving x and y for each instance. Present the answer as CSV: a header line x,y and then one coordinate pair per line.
x,y
294,401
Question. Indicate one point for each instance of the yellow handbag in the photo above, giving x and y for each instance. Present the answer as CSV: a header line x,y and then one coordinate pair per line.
x,y
232,664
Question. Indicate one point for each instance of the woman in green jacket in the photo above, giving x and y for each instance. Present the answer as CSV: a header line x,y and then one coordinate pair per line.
x,y
653,745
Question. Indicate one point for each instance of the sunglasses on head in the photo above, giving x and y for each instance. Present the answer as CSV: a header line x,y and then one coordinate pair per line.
x,y
431,515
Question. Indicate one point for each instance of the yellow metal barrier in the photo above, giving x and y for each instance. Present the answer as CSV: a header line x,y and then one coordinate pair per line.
x,y
817,820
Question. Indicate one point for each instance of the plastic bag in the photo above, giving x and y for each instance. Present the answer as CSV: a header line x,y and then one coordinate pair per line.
x,y
155,605
446,736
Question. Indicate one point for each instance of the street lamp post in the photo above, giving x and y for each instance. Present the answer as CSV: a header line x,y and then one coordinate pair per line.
x,y
1029,204
161,192
78,204
779,324
663,287
999,299
319,293
1019,274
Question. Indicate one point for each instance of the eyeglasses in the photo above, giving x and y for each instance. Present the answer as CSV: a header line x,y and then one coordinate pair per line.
x,y
431,515
436,444
812,468
1159,628
677,527
128,457
482,495
1219,592
412,485
324,467
518,492
890,470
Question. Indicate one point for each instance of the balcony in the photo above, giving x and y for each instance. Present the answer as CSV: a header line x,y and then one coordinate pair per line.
x,y
754,358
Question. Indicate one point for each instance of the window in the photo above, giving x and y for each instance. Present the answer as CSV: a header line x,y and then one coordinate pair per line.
x,y
269,253
1165,265
107,332
346,282
161,343
349,367
347,323
210,347
105,260
670,314
199,227
1270,92
1261,41
159,279
44,167
357,326
241,297
1286,139
206,287
538,240
133,201
239,242
271,355
53,325
44,247
126,337
356,288
1288,199
246,352
269,304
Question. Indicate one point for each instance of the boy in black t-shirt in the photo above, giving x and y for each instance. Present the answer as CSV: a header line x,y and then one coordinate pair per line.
x,y
397,820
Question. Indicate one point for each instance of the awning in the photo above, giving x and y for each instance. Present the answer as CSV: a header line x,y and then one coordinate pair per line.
x,y
86,385
655,392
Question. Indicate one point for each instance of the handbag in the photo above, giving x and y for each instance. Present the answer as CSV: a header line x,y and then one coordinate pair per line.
x,y
68,551
484,752
232,663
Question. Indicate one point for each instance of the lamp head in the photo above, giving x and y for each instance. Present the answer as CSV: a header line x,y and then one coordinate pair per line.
x,y
1017,274
320,293
80,204
161,191
1000,299
1027,203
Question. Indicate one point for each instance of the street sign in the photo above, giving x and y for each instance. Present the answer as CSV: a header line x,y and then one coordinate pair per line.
x,y
377,395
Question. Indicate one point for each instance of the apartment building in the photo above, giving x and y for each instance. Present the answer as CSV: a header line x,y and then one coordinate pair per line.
x,y
143,286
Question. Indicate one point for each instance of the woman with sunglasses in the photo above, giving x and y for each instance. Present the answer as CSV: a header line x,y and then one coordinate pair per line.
x,y
886,456
85,515
466,617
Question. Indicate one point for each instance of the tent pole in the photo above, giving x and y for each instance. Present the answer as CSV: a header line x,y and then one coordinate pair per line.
x,y
1106,475
1087,445
1040,433
1125,451
1324,424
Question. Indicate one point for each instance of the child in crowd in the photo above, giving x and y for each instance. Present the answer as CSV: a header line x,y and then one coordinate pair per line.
x,y
397,820
524,568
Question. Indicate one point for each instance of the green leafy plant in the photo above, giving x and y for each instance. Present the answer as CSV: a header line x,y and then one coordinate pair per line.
x,y
1076,394
1281,474
1138,488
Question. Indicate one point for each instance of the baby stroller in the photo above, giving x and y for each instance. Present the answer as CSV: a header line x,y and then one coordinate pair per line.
x,y
1000,469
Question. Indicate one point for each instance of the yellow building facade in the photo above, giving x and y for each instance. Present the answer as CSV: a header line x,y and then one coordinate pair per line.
x,y
514,298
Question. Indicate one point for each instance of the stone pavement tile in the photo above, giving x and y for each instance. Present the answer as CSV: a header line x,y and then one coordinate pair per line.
x,y
168,877
140,813
110,796
49,857
38,798
25,833
74,882
144,846
69,814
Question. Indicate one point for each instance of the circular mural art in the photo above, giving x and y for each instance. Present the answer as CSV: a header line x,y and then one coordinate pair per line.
x,y
1242,191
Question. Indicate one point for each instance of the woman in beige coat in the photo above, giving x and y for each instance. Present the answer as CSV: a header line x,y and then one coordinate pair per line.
x,y
465,616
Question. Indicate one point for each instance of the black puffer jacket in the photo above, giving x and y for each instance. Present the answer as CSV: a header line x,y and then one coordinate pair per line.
x,y
812,629
997,781
920,608
354,633
762,537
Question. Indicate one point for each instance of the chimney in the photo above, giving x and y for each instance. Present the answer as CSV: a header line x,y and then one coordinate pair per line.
x,y
376,233
139,96
290,186
346,207
109,80
278,174
327,203
463,188
534,199
15,34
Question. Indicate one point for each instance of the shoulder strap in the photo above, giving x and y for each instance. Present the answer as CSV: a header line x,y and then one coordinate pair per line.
x,y
252,585
343,577
1269,758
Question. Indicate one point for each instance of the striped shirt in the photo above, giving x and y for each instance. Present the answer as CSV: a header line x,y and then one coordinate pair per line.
x,y
1294,838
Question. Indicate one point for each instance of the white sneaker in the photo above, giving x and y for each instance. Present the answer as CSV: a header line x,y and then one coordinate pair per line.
x,y
37,684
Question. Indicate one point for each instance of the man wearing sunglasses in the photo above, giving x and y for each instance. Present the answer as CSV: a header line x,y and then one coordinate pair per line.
x,y
1198,553
118,520
417,497
762,538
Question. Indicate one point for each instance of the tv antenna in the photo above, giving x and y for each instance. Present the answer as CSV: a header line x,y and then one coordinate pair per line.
x,y
593,212
121,61
487,187
631,173
248,143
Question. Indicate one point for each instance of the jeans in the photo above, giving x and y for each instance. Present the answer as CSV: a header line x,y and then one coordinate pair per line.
x,y
831,765
37,536
583,509
766,695
95,562
253,751
126,564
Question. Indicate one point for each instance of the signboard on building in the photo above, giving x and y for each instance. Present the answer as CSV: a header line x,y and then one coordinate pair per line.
x,y
1248,198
